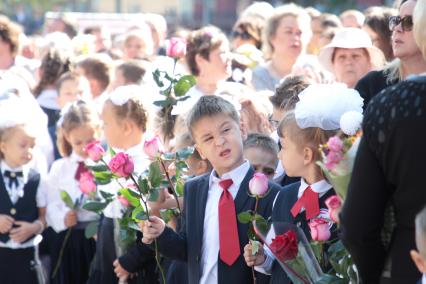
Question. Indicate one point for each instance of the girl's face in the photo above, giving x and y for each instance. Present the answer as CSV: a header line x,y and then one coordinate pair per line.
x,y
112,126
17,147
79,137
291,157
289,40
73,90
134,48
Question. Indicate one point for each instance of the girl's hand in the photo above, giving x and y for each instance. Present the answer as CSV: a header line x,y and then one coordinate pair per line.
x,y
70,219
254,260
6,223
23,231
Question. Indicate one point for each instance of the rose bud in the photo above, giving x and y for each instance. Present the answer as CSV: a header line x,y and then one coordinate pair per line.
x,y
176,47
320,229
153,147
87,183
121,165
334,204
258,185
94,150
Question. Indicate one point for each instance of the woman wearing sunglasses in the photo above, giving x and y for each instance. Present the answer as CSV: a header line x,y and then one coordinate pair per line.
x,y
389,169
408,60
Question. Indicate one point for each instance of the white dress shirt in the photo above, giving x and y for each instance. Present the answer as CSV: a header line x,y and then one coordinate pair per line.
x,y
321,187
17,192
141,162
210,246
62,177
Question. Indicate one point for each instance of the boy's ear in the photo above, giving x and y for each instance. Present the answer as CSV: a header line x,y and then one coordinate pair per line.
x,y
244,131
308,156
418,260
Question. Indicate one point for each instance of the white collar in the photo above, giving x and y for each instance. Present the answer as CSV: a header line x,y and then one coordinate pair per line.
x,y
5,167
237,175
424,279
319,187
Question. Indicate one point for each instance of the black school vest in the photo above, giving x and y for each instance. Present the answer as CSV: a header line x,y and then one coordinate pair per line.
x,y
25,209
281,213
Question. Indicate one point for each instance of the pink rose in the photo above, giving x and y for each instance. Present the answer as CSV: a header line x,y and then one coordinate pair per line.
x,y
332,159
123,200
87,183
334,205
176,47
94,150
258,185
335,144
320,229
153,148
121,165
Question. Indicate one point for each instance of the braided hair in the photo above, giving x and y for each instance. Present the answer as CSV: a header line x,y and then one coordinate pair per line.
x,y
53,65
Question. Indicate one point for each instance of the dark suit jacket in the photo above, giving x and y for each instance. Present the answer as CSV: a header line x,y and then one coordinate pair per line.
x,y
187,244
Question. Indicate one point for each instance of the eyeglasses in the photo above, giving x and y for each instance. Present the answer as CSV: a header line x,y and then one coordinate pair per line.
x,y
406,23
242,35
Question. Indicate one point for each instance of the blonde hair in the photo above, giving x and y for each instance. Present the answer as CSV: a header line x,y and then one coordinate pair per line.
x,y
311,137
274,21
77,114
5,135
419,28
133,110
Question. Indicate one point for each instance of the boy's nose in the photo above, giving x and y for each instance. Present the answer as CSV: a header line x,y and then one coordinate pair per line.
x,y
220,141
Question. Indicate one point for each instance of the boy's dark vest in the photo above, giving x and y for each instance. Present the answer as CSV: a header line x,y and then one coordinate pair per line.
x,y
281,213
25,209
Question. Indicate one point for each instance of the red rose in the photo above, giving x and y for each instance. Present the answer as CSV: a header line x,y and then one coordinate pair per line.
x,y
284,246
94,150
121,165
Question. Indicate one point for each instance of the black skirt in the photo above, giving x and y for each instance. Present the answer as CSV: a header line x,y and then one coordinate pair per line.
x,y
16,266
76,259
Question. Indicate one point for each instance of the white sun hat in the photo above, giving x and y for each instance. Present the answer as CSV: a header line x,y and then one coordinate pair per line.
x,y
351,38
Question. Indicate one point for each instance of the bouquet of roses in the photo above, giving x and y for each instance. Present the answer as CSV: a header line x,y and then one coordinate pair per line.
x,y
136,189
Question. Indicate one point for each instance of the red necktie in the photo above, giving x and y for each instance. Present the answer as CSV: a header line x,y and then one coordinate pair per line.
x,y
80,169
228,232
309,201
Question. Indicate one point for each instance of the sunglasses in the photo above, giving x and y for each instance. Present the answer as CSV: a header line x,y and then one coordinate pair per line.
x,y
242,35
406,23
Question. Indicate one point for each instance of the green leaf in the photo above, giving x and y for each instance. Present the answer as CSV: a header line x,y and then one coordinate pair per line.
x,y
139,214
98,168
95,206
183,85
245,217
317,249
91,229
168,214
143,185
165,103
179,187
103,178
168,156
181,165
106,195
134,201
111,152
330,279
155,176
66,198
127,236
134,226
153,195
261,224
184,153
157,78
254,247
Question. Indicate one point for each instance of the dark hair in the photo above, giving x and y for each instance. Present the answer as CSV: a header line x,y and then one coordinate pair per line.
x,y
132,71
262,141
377,19
54,64
9,33
69,76
286,94
97,69
330,21
202,42
133,109
210,106
78,114
252,26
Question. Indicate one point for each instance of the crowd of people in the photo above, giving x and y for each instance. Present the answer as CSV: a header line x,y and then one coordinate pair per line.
x,y
265,96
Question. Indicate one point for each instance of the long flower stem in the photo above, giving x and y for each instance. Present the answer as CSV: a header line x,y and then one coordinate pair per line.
x,y
171,184
61,253
157,255
254,216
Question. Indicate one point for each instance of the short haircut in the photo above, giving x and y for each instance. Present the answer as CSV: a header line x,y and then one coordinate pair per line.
x,y
419,21
9,33
133,110
420,222
262,141
286,94
97,69
252,26
68,76
208,106
132,71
